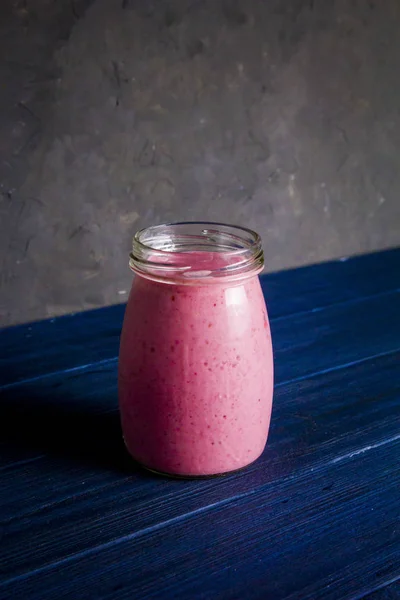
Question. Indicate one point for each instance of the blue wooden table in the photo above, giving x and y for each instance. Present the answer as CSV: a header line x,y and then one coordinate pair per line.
x,y
318,516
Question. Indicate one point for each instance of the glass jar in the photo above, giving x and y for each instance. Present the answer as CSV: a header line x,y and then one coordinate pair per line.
x,y
195,365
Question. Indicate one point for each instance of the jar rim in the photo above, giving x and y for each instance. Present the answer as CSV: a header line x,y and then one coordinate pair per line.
x,y
165,252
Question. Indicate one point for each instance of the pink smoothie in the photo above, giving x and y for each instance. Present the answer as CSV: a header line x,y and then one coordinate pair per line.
x,y
195,375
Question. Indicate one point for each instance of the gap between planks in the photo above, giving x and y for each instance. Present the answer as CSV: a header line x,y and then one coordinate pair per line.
x,y
277,385
370,593
273,320
181,518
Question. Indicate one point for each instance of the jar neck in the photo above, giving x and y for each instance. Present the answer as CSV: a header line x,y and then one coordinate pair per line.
x,y
196,253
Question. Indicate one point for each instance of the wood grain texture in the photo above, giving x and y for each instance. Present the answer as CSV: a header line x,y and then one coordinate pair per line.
x,y
330,534
325,284
318,516
35,349
69,506
333,336
390,591
304,344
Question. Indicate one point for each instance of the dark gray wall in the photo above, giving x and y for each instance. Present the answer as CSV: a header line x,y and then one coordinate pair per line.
x,y
281,115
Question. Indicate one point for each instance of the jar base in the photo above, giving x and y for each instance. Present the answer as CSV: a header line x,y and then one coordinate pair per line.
x,y
183,476
189,477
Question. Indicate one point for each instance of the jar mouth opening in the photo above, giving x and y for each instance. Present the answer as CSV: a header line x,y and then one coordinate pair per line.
x,y
187,252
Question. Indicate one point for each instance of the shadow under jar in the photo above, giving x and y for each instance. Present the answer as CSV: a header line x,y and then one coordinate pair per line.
x,y
195,365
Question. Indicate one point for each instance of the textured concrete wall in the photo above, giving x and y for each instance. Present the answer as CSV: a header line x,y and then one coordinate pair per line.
x,y
280,115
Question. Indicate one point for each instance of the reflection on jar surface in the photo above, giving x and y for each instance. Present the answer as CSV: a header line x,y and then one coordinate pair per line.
x,y
196,367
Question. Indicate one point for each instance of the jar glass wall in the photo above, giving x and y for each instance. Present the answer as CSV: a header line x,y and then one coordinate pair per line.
x,y
196,366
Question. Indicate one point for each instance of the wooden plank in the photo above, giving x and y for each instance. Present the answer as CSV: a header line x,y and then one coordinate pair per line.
x,y
381,432
308,343
336,335
322,535
35,349
58,511
304,344
325,284
387,592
